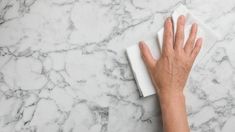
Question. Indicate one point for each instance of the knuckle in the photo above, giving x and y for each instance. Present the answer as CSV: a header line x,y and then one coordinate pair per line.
x,y
188,65
190,41
180,34
195,53
168,34
143,55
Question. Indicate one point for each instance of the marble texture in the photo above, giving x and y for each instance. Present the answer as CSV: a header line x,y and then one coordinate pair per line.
x,y
63,66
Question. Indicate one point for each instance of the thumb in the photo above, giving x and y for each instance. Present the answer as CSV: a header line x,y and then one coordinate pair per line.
x,y
146,55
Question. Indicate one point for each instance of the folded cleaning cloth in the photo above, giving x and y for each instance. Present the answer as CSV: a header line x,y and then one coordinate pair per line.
x,y
140,72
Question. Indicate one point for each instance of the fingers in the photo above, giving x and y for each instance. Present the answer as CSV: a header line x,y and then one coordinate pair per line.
x,y
146,55
168,36
179,37
196,48
191,39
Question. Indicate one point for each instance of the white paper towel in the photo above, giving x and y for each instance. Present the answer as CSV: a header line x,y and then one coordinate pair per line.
x,y
140,72
208,35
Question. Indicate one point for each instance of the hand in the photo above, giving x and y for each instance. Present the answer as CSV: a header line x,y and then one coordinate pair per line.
x,y
170,72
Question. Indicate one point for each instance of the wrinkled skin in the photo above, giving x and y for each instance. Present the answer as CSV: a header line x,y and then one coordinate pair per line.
x,y
170,72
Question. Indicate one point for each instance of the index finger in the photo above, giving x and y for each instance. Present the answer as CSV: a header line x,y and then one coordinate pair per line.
x,y
168,35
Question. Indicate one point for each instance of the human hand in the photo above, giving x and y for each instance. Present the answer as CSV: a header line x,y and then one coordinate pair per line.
x,y
170,72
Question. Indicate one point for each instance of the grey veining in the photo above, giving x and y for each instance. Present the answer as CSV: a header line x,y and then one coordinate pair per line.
x,y
63,66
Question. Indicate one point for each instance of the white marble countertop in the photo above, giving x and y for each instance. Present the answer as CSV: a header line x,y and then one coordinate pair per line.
x,y
63,66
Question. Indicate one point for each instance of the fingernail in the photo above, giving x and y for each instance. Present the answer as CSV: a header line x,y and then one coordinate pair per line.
x,y
195,25
181,17
141,44
200,40
169,19
181,20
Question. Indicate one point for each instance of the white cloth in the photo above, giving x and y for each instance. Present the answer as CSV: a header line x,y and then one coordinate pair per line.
x,y
140,72
208,35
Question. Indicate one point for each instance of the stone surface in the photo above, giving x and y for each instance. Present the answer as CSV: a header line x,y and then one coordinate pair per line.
x,y
63,66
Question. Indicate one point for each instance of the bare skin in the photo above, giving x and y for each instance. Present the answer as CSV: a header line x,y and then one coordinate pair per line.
x,y
170,72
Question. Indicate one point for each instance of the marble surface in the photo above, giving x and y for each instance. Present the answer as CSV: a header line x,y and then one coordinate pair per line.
x,y
63,66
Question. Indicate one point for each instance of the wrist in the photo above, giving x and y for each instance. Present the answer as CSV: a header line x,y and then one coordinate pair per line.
x,y
171,96
170,93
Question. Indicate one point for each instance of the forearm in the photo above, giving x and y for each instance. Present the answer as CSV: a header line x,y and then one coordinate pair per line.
x,y
174,113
